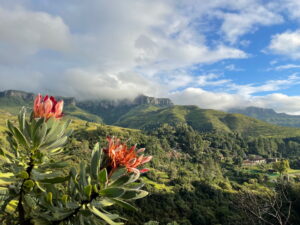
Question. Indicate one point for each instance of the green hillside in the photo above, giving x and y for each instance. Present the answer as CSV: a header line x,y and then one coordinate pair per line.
x,y
196,178
203,120
270,116
144,114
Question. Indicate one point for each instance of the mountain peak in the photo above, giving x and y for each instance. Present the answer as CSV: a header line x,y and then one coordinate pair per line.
x,y
143,99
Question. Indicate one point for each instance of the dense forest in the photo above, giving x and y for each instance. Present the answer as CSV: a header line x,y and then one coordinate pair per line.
x,y
198,178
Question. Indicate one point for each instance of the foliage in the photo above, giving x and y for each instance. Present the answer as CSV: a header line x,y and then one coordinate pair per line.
x,y
281,166
35,189
198,159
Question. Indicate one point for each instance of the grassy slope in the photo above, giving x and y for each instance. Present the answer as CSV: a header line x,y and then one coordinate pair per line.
x,y
202,120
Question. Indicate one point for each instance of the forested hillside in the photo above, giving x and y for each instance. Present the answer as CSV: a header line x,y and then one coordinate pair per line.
x,y
197,176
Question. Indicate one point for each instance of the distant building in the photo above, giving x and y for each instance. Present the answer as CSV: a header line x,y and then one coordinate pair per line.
x,y
253,161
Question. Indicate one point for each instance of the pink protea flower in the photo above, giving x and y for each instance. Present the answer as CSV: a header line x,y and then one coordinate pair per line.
x,y
47,107
120,155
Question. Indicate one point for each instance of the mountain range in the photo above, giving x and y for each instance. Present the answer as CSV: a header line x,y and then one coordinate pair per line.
x,y
146,113
269,115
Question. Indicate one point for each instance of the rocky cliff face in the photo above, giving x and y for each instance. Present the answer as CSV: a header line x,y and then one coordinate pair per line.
x,y
139,100
142,99
21,94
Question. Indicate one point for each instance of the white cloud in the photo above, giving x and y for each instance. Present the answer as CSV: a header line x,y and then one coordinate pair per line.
x,y
242,96
287,66
232,67
107,86
291,7
273,62
270,85
225,101
287,43
117,49
207,99
237,24
210,79
109,38
26,32
279,102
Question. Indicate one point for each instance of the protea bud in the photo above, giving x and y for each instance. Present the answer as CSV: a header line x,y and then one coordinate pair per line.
x,y
47,107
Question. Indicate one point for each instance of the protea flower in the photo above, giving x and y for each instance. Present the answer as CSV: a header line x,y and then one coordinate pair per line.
x,y
120,155
47,107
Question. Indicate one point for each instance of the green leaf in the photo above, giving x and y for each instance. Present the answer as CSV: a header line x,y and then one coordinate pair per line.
x,y
57,144
39,175
4,202
21,118
120,181
135,186
134,194
118,173
39,186
11,206
2,152
88,190
73,172
57,130
10,126
95,161
124,204
28,131
30,201
103,216
8,155
54,180
7,179
102,178
64,199
112,192
57,165
82,179
104,202
20,138
23,174
39,221
134,177
35,124
49,197
40,133
3,191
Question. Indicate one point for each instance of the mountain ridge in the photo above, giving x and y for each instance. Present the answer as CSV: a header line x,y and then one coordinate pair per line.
x,y
269,115
147,113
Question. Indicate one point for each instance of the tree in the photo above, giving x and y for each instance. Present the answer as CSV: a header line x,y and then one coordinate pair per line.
x,y
281,166
270,207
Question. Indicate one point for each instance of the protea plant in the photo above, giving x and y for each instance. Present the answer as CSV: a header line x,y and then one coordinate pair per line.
x,y
33,188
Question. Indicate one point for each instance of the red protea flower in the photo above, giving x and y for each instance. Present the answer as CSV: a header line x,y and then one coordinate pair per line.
x,y
120,155
47,107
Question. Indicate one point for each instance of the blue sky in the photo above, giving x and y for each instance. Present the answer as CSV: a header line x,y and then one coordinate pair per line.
x,y
215,54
